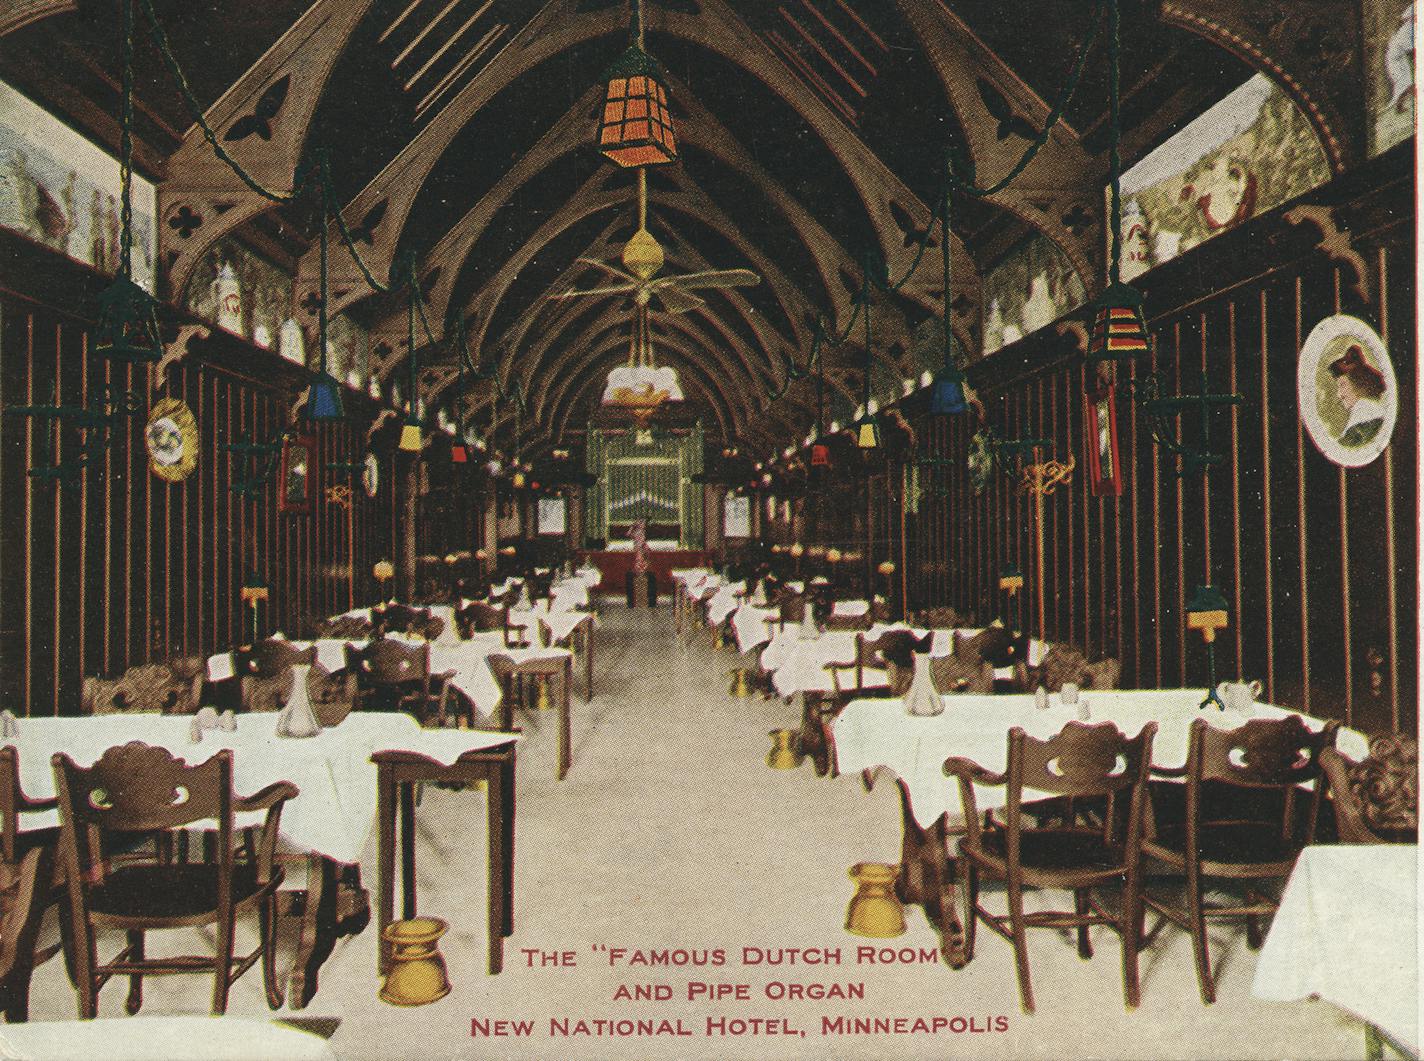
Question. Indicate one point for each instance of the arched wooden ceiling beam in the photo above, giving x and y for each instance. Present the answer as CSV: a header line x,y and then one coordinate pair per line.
x,y
1313,49
558,26
17,14
1062,181
215,199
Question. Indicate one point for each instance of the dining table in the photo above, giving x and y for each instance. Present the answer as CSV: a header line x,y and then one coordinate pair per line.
x,y
1346,931
874,735
330,820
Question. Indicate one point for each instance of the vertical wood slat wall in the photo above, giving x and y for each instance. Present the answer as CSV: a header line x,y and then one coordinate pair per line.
x,y
124,567
1318,562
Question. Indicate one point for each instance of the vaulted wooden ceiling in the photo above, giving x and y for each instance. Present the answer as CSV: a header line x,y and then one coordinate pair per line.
x,y
812,134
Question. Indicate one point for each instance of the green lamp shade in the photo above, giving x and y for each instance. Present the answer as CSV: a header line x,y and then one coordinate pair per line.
x,y
1207,611
128,328
324,398
1011,578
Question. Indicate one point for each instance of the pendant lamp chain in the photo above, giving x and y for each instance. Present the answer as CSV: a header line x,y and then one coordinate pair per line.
x,y
126,149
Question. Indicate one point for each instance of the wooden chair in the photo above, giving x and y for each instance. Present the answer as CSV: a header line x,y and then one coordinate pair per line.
x,y
332,696
29,885
1376,800
960,674
269,658
1224,835
941,618
138,789
393,676
1094,761
848,676
1064,663
403,619
896,650
477,617
345,628
148,688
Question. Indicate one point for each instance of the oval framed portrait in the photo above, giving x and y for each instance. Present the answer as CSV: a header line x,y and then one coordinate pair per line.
x,y
1349,398
171,437
371,475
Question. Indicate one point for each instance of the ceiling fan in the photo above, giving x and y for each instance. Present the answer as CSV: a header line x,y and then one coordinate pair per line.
x,y
643,260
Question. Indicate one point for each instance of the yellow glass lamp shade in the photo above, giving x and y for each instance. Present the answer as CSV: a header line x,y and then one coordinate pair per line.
x,y
410,437
833,556
384,570
1206,611
636,127
886,567
867,433
797,550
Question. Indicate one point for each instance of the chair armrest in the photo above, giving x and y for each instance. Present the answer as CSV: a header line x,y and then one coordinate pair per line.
x,y
267,798
1167,771
969,770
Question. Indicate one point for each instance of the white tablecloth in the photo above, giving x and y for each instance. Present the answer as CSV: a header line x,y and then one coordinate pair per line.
x,y
160,1039
798,666
1347,930
561,621
337,805
724,601
873,733
753,626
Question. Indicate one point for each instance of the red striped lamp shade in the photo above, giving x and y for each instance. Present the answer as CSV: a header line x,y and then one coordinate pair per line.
x,y
636,128
1119,330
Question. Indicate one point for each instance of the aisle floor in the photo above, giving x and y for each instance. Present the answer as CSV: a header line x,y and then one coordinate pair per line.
x,y
670,833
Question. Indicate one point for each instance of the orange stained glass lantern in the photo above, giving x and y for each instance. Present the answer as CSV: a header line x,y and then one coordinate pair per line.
x,y
636,128
820,455
1119,330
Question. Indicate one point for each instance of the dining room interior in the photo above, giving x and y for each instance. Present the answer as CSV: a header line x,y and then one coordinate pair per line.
x,y
686,528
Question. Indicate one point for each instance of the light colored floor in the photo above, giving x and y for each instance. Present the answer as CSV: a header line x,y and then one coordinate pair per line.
x,y
671,832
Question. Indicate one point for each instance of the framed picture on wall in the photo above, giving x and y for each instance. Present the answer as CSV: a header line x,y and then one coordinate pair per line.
x,y
1349,398
298,483
1100,429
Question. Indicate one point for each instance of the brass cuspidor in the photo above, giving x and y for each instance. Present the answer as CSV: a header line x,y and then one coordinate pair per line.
x,y
785,751
874,910
417,973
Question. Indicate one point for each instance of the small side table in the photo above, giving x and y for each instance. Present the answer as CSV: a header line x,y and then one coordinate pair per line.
x,y
397,774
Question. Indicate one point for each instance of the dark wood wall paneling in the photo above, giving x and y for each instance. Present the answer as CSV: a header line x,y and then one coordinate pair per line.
x,y
124,567
1318,562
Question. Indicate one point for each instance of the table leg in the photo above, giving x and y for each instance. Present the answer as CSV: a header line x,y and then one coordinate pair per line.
x,y
385,860
495,886
506,782
565,734
587,660
407,846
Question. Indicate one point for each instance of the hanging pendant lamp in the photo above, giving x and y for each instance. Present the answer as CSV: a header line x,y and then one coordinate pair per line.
x,y
947,393
636,128
1119,327
411,433
128,329
867,430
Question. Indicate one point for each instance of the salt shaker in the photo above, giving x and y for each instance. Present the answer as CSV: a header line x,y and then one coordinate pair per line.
x,y
1083,713
1040,698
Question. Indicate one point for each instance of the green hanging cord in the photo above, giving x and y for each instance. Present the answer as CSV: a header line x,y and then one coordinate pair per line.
x,y
126,148
1115,156
195,110
321,313
413,292
948,276
1070,87
865,309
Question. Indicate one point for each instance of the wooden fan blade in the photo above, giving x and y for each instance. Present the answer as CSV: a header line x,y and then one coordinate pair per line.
x,y
711,278
611,270
676,300
615,289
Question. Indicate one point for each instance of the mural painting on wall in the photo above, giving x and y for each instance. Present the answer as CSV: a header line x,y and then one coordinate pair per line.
x,y
1247,154
1389,65
1346,385
71,206
1031,287
243,293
